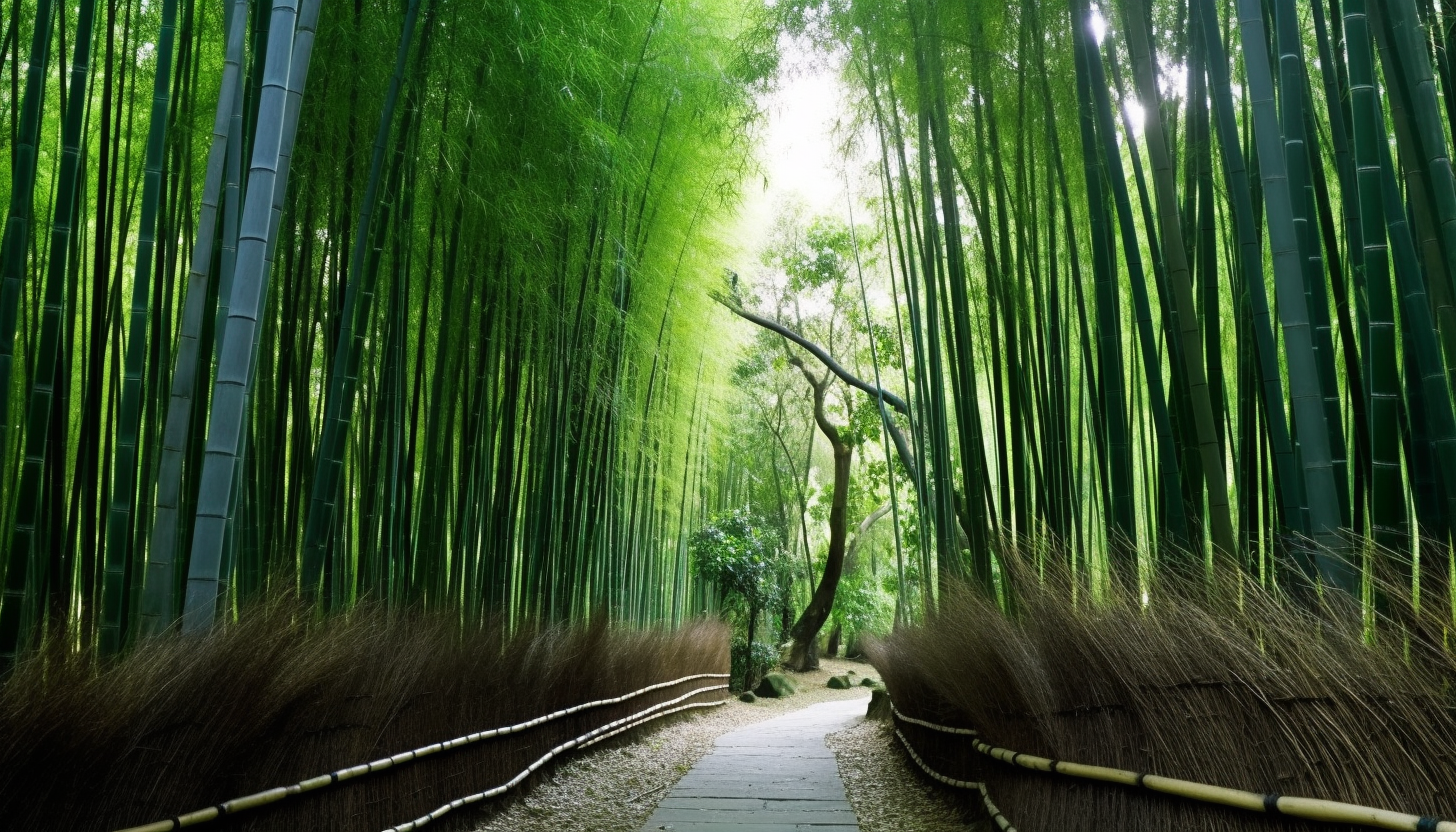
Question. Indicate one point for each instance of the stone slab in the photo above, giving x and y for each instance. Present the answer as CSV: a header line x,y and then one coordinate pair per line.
x,y
800,781
730,752
759,791
789,804
783,781
754,816
758,770
755,827
775,776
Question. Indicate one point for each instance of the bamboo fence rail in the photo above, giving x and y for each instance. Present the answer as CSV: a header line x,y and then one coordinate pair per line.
x,y
1306,808
322,781
597,735
1002,822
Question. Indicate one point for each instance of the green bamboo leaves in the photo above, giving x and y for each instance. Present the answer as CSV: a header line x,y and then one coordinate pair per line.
x,y
1388,514
1114,430
1304,382
480,370
1338,422
516,350
19,605
18,212
1176,259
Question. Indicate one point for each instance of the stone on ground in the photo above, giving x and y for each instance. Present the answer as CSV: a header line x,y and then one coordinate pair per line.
x,y
775,685
747,696
840,682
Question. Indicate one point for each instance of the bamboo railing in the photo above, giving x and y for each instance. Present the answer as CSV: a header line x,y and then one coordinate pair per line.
x,y
323,781
1305,808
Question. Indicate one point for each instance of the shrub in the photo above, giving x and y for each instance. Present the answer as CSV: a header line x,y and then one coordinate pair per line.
x,y
742,558
862,607
748,669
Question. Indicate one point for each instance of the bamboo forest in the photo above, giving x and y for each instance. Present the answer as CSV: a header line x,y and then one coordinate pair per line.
x,y
974,415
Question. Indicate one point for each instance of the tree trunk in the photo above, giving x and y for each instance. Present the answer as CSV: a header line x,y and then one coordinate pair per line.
x,y
831,649
802,654
750,677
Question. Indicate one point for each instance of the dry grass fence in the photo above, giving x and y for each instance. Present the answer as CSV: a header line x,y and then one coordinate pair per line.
x,y
182,724
1233,688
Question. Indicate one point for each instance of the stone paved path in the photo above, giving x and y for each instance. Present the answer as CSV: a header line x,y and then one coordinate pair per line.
x,y
773,776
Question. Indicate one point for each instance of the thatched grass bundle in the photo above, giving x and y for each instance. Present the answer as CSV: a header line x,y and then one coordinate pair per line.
x,y
1234,687
185,723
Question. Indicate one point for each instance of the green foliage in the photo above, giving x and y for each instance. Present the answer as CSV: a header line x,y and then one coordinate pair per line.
x,y
886,346
864,604
750,666
739,554
864,425
535,417
1132,419
814,256
542,407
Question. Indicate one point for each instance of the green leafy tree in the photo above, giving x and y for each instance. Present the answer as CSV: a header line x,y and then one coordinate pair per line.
x,y
740,554
866,604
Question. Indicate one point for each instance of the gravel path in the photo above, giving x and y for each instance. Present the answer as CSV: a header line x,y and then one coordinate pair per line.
x,y
887,795
615,789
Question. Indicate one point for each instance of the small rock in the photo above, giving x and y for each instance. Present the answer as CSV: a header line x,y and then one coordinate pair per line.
x,y
879,705
747,696
868,682
840,683
774,686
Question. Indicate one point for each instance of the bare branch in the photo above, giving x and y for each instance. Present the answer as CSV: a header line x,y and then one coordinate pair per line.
x,y
818,352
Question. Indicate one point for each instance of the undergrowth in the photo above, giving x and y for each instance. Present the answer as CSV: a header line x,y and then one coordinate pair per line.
x,y
1228,685
749,667
185,723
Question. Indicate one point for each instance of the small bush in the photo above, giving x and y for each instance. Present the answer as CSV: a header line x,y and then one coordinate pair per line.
x,y
746,670
864,605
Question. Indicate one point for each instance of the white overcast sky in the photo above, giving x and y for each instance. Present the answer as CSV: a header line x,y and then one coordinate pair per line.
x,y
799,153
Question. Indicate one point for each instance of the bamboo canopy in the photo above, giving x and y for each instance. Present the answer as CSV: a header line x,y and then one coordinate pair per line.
x,y
421,302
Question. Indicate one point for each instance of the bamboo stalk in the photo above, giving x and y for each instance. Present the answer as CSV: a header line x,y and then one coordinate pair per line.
x,y
206,576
